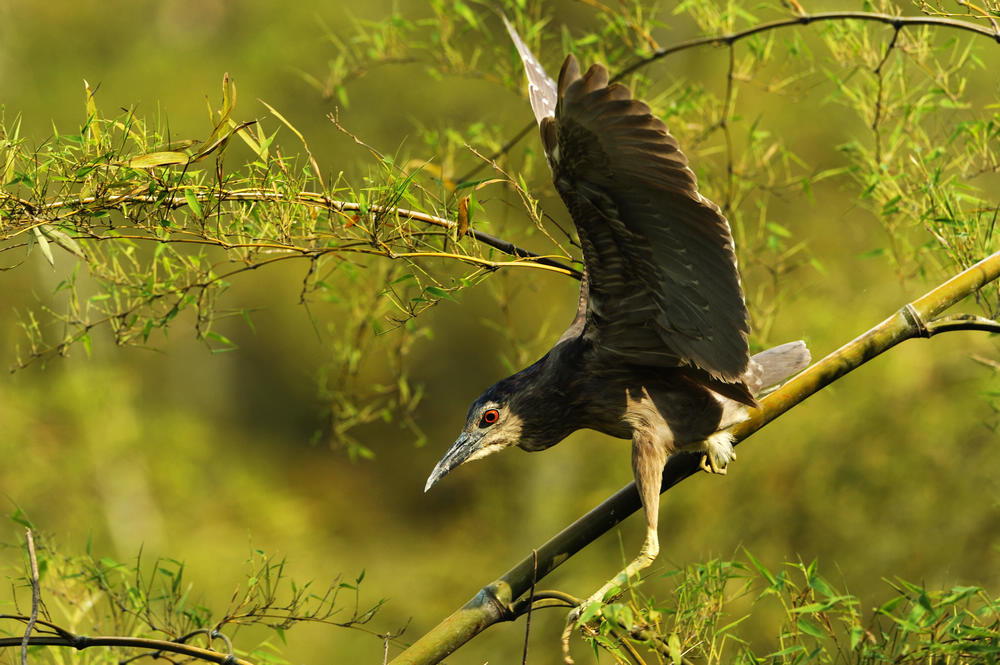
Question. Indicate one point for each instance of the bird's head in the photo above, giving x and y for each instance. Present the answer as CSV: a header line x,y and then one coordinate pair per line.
x,y
493,423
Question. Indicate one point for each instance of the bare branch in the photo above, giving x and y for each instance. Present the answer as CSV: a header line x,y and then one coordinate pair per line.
x,y
80,642
897,22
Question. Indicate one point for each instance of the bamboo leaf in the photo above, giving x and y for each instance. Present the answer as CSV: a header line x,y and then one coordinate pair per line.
x,y
93,127
43,244
62,239
155,159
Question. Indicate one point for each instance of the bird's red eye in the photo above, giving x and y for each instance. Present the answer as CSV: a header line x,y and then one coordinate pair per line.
x,y
491,417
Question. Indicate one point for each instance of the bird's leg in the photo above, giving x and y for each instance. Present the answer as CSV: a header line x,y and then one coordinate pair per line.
x,y
648,460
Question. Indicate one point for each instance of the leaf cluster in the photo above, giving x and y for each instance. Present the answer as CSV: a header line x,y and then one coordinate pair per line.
x,y
141,600
715,611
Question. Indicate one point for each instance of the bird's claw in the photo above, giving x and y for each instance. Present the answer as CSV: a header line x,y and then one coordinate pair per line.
x,y
573,622
709,464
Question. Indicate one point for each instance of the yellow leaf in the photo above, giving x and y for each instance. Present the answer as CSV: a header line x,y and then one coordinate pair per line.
x,y
463,218
157,159
93,128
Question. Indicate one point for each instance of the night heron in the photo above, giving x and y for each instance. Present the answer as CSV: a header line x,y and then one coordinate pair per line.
x,y
658,350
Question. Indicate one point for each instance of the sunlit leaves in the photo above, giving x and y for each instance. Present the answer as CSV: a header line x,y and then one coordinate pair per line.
x,y
705,619
155,600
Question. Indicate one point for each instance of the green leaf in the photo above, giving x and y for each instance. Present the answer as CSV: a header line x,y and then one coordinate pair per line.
x,y
762,570
465,12
778,230
91,106
20,518
438,292
674,648
222,339
810,628
192,201
589,612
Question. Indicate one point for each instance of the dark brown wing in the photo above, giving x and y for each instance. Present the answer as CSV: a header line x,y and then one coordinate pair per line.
x,y
662,285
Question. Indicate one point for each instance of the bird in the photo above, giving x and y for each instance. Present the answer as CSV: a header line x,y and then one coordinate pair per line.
x,y
658,350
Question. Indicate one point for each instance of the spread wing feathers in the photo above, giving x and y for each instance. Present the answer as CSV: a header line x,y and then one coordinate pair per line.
x,y
663,288
541,89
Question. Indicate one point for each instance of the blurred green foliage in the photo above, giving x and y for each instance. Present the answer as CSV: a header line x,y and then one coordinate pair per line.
x,y
856,167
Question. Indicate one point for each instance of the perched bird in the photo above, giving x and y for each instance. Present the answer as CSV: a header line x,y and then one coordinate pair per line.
x,y
658,350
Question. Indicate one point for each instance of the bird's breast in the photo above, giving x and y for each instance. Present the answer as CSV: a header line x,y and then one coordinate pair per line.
x,y
662,404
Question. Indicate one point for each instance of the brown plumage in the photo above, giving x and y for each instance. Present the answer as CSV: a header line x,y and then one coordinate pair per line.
x,y
658,350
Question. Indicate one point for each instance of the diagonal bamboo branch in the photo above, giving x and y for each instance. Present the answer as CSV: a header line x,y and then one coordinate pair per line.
x,y
494,602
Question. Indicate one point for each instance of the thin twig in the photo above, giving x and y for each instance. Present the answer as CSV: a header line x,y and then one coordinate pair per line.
x,y
35,594
80,642
531,600
879,107
727,108
897,22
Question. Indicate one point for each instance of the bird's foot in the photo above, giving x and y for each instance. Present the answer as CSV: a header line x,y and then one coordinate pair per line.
x,y
709,465
589,610
718,453
592,608
571,622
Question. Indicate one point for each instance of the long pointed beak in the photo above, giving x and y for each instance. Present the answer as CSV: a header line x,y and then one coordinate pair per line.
x,y
460,451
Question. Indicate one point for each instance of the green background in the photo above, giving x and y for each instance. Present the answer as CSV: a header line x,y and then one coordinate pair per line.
x,y
892,471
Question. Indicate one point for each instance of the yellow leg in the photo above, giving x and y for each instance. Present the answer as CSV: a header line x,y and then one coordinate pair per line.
x,y
648,459
650,548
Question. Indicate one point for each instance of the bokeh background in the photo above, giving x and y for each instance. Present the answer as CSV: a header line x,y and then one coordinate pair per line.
x,y
203,457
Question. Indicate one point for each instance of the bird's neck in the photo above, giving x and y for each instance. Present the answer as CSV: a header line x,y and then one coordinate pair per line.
x,y
549,400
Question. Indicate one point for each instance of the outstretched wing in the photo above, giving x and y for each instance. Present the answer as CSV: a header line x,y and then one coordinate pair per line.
x,y
661,285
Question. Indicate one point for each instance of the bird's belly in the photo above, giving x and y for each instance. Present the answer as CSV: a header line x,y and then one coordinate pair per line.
x,y
679,415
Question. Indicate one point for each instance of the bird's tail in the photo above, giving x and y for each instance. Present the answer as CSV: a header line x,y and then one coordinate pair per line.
x,y
771,367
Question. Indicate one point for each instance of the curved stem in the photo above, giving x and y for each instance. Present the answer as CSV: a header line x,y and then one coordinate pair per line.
x,y
897,22
560,598
962,322
80,642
